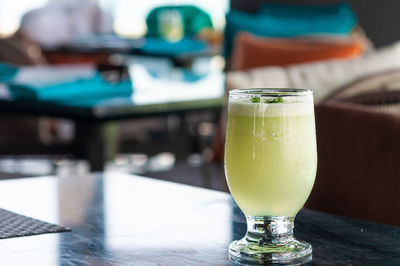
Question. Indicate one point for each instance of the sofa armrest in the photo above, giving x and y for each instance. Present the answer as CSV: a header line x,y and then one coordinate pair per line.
x,y
359,162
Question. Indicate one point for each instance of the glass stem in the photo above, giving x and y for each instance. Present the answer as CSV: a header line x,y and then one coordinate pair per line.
x,y
265,230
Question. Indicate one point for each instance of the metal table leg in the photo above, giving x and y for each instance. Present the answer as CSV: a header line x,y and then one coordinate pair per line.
x,y
97,143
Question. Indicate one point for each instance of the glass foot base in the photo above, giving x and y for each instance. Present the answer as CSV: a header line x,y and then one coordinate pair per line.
x,y
291,252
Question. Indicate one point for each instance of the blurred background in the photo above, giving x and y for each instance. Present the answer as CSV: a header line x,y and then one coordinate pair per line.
x,y
129,17
140,87
57,45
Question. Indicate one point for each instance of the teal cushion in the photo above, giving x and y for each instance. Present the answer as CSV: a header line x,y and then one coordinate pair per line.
x,y
277,20
158,46
91,88
328,13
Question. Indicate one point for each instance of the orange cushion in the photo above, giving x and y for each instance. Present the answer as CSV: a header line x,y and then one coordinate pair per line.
x,y
251,51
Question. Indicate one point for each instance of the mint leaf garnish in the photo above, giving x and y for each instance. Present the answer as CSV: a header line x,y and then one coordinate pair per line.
x,y
255,99
276,100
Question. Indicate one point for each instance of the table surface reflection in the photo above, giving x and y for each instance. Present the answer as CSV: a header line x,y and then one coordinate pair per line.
x,y
120,219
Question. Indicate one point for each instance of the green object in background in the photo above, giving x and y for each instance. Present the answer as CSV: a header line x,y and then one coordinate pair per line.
x,y
188,21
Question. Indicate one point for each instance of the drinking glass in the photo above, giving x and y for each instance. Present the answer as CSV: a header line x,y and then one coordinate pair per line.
x,y
270,166
170,25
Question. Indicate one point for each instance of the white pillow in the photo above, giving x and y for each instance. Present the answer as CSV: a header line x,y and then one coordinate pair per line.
x,y
323,77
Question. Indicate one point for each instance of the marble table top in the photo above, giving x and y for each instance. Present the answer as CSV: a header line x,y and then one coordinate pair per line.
x,y
120,219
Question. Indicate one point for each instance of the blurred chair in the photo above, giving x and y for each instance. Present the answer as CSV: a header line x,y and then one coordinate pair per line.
x,y
358,165
358,149
251,51
19,50
177,21
377,89
59,21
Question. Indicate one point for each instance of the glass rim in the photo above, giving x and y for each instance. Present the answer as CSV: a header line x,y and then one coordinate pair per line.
x,y
271,92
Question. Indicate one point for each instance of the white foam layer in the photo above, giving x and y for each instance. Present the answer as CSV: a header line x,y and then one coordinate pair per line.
x,y
244,107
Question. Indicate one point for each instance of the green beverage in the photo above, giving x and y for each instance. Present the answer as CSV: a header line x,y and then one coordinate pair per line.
x,y
270,156
270,166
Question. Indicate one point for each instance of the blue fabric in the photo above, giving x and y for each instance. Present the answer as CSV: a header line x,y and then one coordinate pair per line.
x,y
7,72
277,20
328,14
92,88
158,46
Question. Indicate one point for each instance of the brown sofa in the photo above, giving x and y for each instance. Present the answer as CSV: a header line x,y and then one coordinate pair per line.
x,y
359,162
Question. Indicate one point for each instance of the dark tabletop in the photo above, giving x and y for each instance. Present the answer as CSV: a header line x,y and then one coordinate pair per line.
x,y
111,44
119,219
